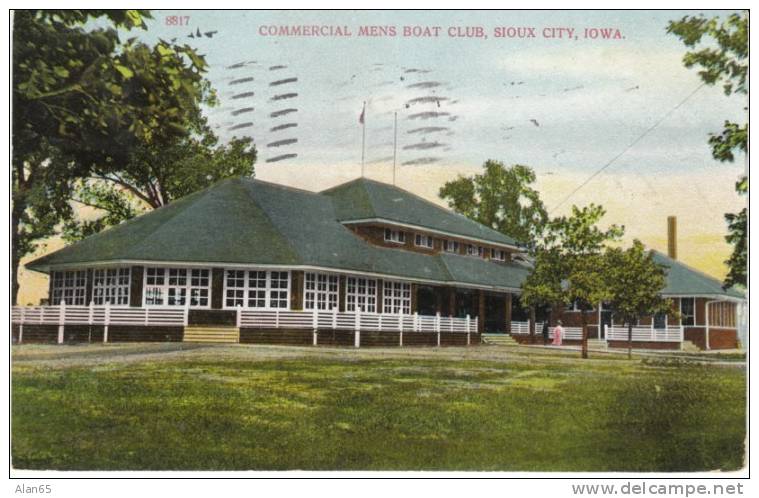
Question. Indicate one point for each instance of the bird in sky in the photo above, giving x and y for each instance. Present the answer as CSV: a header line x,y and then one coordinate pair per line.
x,y
636,87
210,34
535,122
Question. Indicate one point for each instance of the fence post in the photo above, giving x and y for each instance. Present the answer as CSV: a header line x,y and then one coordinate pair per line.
x,y
187,311
357,332
238,316
61,320
416,321
21,326
107,320
468,323
334,318
437,327
314,326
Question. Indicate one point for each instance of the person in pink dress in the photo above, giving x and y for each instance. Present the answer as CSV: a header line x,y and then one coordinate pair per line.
x,y
558,333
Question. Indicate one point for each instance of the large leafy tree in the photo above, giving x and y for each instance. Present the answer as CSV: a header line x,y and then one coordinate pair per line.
x,y
634,282
83,100
719,48
569,264
155,176
501,198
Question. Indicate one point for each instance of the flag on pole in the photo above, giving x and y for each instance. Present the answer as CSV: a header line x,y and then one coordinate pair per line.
x,y
361,117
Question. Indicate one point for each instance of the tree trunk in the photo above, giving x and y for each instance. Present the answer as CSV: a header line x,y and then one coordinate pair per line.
x,y
16,213
629,339
532,325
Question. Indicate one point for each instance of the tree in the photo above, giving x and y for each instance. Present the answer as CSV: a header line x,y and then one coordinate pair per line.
x,y
634,282
721,53
155,176
501,198
83,99
568,265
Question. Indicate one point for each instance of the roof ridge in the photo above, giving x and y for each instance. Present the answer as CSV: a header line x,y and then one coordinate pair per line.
x,y
197,195
253,199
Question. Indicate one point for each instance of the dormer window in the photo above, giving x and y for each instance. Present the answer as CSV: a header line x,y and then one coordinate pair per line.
x,y
423,241
395,236
498,254
451,246
473,250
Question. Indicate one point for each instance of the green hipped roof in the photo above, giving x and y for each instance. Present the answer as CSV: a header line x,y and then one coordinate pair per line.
x,y
363,199
683,280
245,221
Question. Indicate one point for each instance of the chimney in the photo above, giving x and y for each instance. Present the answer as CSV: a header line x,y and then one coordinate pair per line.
x,y
672,237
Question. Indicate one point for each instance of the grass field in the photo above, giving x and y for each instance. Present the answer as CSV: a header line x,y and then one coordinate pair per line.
x,y
174,406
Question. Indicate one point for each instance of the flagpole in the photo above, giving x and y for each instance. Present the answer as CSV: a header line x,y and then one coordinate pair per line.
x,y
395,144
363,138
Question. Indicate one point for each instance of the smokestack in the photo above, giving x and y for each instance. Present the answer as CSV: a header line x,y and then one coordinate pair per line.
x,y
672,237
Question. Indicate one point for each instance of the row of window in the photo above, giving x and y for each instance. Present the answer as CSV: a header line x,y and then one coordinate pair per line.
x,y
451,246
245,288
249,289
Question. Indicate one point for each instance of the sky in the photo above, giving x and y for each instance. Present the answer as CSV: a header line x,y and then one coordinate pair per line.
x,y
565,107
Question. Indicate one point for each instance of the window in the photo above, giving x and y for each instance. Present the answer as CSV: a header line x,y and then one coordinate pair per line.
x,y
451,246
257,289
660,321
472,250
395,236
423,241
69,286
172,286
498,254
361,293
110,285
320,291
397,297
687,311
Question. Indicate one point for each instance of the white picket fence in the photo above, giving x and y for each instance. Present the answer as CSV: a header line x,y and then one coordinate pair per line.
x,y
350,320
66,314
107,315
644,334
523,328
520,328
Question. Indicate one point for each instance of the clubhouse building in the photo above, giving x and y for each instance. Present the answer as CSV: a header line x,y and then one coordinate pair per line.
x,y
363,263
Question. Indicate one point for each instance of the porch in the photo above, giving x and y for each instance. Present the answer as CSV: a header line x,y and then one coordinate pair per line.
x,y
614,336
66,323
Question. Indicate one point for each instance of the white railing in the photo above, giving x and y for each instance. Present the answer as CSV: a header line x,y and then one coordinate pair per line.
x,y
314,320
644,334
520,328
66,314
574,333
350,320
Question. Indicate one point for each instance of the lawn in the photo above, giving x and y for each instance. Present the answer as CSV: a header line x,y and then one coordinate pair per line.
x,y
169,406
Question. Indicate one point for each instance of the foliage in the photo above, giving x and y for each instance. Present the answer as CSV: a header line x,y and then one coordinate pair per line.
x,y
501,198
155,176
720,50
634,282
253,408
569,263
83,99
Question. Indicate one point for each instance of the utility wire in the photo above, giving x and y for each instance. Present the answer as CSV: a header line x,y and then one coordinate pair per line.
x,y
634,142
